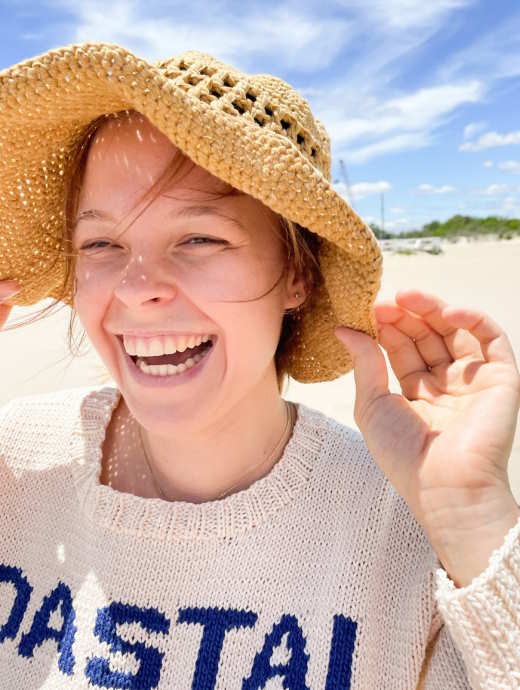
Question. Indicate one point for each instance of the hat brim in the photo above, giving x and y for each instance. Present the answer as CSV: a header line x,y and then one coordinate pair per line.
x,y
47,102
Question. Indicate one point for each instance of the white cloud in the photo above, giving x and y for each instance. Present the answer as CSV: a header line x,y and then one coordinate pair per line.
x,y
300,40
510,166
494,54
360,190
474,128
401,142
394,125
488,164
491,140
496,189
430,189
404,14
422,110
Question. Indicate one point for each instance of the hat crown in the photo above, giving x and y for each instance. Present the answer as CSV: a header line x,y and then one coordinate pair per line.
x,y
265,101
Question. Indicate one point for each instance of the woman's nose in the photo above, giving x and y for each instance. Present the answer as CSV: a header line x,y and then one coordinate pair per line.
x,y
139,284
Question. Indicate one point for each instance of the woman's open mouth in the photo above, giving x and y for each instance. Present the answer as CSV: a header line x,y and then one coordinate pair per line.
x,y
169,366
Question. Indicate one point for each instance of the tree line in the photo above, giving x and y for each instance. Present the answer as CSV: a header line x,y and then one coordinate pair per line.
x,y
458,226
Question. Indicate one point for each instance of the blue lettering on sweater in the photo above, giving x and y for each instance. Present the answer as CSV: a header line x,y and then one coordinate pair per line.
x,y
98,670
41,631
341,651
294,671
216,623
23,594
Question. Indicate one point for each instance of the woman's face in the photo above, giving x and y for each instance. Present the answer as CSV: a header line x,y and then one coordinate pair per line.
x,y
166,270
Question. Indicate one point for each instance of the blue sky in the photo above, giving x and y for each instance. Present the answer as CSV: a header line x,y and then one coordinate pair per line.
x,y
421,99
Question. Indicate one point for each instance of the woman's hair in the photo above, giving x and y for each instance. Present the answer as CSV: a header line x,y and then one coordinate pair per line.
x,y
302,245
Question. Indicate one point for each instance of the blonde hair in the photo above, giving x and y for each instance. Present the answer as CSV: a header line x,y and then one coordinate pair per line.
x,y
302,245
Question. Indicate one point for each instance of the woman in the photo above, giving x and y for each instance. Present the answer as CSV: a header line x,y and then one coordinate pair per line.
x,y
192,528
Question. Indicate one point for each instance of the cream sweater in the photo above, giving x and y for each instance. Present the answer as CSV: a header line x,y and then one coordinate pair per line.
x,y
316,576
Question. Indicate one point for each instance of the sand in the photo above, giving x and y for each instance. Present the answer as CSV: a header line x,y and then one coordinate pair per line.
x,y
483,275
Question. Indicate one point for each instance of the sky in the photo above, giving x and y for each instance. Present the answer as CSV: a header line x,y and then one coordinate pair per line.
x,y
421,99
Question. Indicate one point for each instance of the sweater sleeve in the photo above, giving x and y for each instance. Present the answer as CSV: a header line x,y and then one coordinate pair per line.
x,y
481,625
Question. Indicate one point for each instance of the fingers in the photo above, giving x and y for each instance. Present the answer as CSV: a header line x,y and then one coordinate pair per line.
x,y
409,341
461,331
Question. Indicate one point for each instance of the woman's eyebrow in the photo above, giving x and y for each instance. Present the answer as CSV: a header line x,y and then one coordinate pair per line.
x,y
204,210
193,211
95,214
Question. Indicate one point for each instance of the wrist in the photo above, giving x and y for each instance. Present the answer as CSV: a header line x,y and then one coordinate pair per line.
x,y
464,553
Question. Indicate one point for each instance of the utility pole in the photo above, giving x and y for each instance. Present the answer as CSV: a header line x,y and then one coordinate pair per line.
x,y
345,180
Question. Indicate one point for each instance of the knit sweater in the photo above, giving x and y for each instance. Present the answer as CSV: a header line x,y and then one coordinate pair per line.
x,y
316,576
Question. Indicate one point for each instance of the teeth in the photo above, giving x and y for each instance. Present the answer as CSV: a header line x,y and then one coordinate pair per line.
x,y
168,369
182,343
161,345
155,347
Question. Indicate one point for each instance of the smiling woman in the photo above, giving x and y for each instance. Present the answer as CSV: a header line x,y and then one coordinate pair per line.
x,y
191,493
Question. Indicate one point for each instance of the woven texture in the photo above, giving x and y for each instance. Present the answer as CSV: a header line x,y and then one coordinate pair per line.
x,y
316,576
254,131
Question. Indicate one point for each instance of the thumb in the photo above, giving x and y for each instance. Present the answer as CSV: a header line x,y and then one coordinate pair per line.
x,y
370,372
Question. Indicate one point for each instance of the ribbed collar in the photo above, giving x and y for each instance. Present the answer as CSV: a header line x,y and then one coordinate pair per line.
x,y
154,518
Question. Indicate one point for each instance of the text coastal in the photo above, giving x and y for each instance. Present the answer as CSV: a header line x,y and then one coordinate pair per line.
x,y
215,624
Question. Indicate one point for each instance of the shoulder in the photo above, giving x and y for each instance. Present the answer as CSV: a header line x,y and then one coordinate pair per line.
x,y
38,426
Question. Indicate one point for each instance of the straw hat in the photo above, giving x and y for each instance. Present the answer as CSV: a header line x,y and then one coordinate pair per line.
x,y
254,131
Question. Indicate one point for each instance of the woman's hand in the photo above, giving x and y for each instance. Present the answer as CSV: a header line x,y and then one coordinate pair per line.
x,y
445,442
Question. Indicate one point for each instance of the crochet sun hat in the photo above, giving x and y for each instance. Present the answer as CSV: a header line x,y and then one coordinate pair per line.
x,y
254,131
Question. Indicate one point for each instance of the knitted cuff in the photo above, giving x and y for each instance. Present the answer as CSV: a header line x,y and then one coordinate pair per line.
x,y
483,618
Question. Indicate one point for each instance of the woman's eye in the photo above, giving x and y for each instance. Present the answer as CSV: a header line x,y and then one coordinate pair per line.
x,y
205,240
95,244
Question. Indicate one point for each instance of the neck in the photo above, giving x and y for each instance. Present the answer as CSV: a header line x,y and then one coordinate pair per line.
x,y
230,452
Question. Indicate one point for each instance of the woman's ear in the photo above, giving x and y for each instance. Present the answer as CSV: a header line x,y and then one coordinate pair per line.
x,y
295,289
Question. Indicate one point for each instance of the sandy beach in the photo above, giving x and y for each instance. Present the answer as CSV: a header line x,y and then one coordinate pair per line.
x,y
478,274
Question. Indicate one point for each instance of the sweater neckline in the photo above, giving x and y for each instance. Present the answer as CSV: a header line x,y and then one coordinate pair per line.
x,y
155,518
